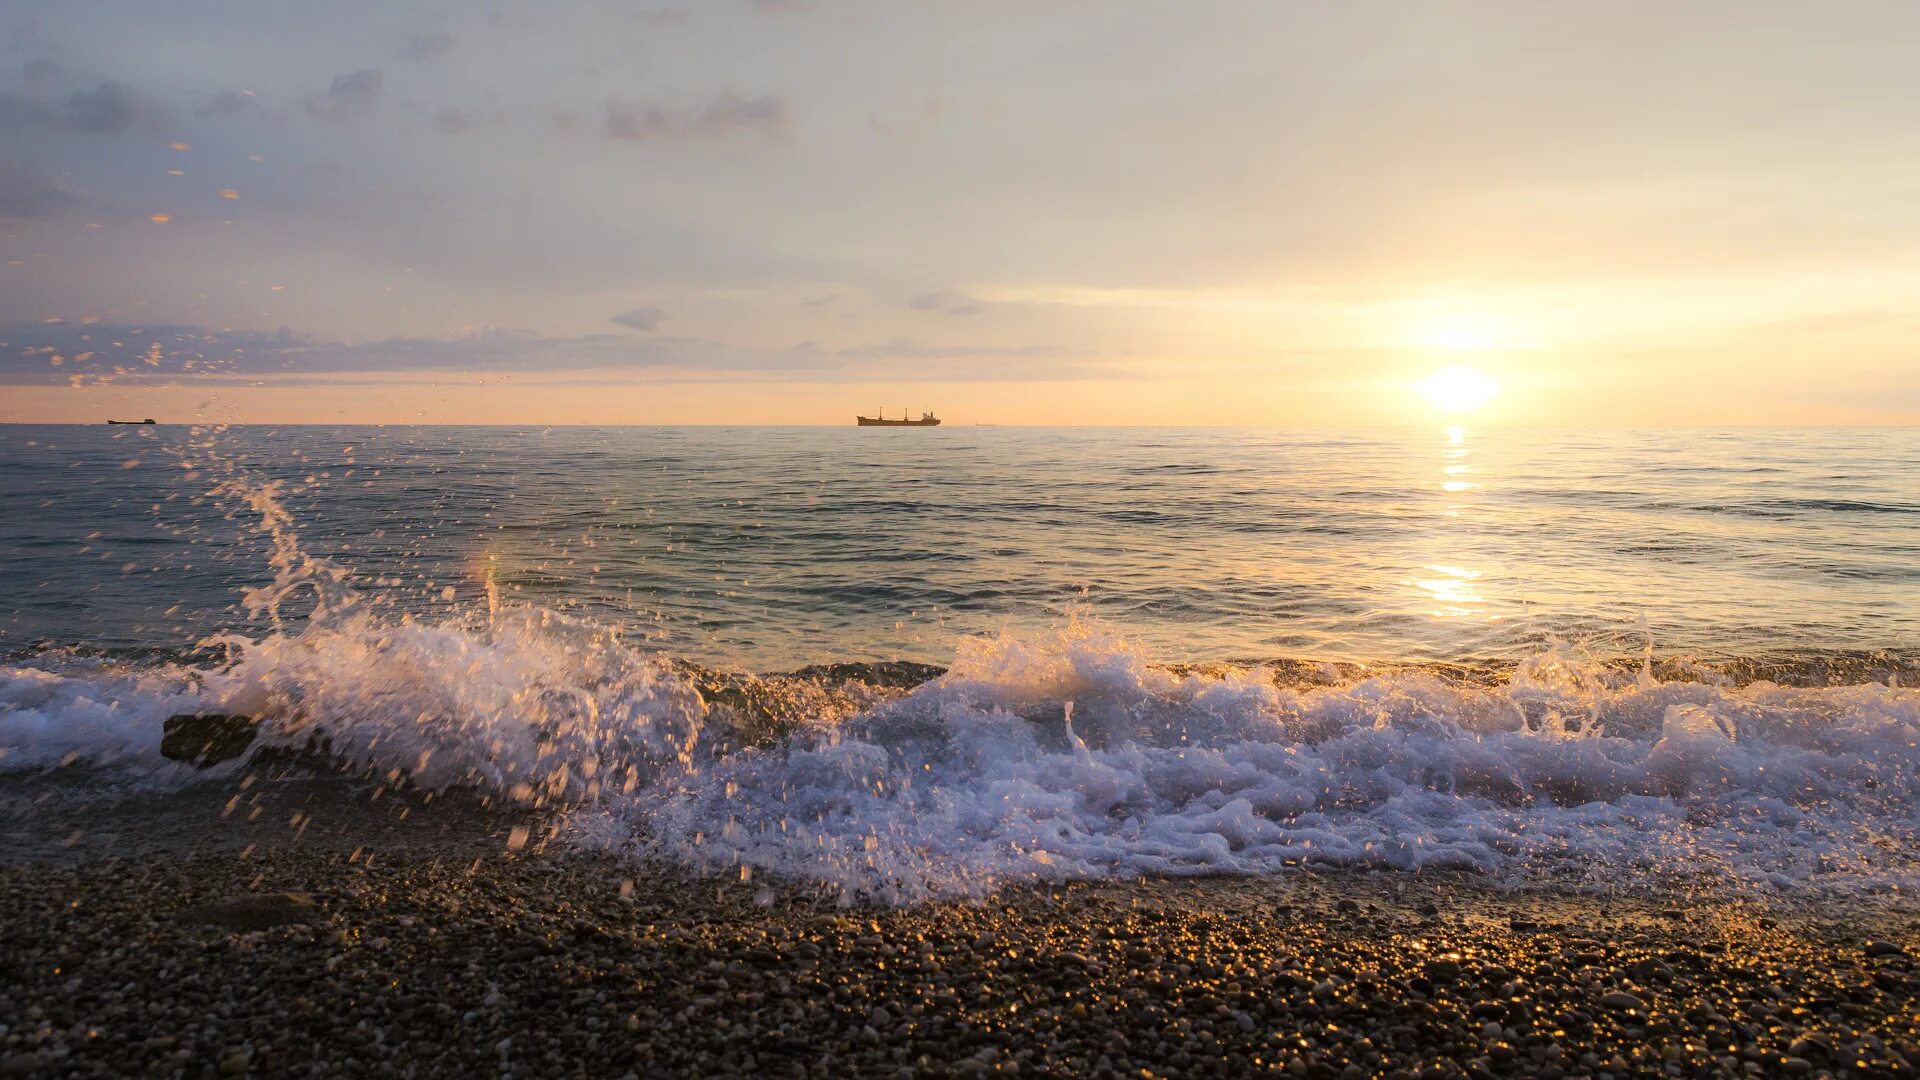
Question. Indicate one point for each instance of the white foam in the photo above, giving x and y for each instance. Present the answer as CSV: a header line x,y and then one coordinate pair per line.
x,y
104,717
1061,756
976,780
531,706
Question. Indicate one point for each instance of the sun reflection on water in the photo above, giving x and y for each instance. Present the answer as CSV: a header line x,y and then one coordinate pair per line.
x,y
1455,455
1450,584
1454,590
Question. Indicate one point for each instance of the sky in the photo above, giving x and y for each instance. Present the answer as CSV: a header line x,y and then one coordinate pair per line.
x,y
790,211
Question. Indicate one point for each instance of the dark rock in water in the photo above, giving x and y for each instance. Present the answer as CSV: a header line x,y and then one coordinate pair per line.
x,y
247,912
1884,948
315,754
208,739
897,674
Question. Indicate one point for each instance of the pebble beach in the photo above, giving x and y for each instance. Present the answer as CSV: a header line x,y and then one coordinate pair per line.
x,y
395,938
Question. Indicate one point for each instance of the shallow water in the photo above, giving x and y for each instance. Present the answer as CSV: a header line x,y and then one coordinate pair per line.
x,y
1138,630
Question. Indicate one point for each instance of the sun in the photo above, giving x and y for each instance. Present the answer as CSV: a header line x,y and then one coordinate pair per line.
x,y
1458,388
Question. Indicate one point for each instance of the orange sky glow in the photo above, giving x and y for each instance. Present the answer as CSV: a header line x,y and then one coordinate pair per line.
x,y
1632,214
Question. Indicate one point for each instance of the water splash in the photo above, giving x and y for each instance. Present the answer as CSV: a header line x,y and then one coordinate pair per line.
x,y
1072,756
293,569
1064,755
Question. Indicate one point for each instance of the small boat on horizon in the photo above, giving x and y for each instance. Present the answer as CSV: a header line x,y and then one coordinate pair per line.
x,y
148,420
927,419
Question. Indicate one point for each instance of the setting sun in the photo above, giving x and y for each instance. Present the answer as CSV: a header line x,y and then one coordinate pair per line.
x,y
1458,389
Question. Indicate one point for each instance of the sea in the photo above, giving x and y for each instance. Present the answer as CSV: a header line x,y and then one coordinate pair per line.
x,y
911,664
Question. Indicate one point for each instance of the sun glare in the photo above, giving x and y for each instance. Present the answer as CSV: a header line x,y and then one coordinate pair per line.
x,y
1458,389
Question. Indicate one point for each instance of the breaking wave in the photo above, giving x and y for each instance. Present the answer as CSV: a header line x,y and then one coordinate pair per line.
x,y
1060,756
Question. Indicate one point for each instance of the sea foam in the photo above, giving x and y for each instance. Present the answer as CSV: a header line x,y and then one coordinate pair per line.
x,y
1042,757
1059,757
1073,757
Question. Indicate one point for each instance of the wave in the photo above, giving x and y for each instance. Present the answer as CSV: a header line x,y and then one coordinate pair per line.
x,y
1062,755
1072,757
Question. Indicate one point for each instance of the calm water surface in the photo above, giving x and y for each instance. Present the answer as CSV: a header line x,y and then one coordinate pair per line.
x,y
771,548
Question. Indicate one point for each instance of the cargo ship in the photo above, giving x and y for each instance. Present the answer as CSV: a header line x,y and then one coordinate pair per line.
x,y
927,419
148,420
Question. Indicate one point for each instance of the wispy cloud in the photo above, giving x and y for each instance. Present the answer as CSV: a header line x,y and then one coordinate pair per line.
x,y
229,105
349,97
947,302
426,47
641,318
107,107
728,113
458,120
84,353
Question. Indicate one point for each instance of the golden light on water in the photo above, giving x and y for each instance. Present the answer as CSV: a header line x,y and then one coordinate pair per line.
x,y
1451,583
1454,589
1458,388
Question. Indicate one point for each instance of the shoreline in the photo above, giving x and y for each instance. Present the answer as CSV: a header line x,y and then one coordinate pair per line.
x,y
400,935
1897,664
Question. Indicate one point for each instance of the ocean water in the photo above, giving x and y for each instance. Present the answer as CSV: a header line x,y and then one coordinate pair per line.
x,y
1615,657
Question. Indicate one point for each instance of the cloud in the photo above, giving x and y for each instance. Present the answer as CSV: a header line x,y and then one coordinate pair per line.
x,y
108,107
909,349
349,97
725,114
229,104
42,73
110,352
426,46
641,318
82,353
730,110
30,193
948,302
455,120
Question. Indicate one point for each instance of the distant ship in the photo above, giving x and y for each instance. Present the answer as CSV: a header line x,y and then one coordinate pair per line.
x,y
927,419
148,420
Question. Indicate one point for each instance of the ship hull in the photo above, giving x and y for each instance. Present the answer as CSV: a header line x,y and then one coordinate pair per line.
x,y
868,421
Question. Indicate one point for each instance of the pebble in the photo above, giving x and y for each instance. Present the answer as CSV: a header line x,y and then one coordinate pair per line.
x,y
536,966
246,912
